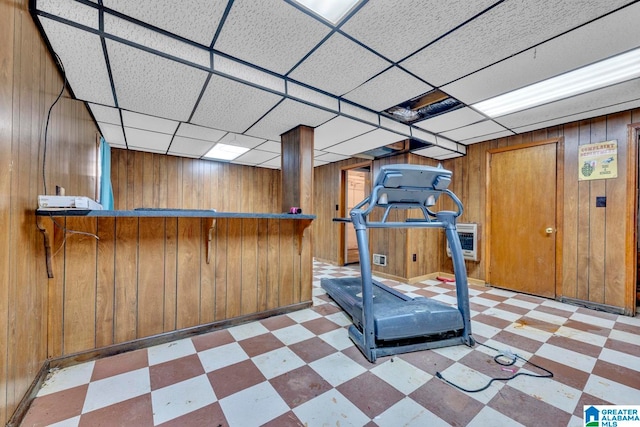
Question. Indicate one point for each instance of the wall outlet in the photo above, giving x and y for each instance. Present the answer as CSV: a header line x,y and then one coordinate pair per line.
x,y
415,257
380,260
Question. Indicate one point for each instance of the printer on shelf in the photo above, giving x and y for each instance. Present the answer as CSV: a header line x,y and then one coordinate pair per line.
x,y
67,202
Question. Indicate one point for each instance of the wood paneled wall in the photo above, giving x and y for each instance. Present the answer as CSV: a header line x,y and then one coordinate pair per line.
x,y
593,239
145,276
159,181
29,83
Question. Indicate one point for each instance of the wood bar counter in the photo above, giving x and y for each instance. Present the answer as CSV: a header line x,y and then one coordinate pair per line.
x,y
124,276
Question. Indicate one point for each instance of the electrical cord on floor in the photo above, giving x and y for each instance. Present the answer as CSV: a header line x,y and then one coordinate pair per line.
x,y
505,358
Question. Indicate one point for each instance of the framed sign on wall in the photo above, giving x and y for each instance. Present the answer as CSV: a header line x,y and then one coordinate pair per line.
x,y
598,161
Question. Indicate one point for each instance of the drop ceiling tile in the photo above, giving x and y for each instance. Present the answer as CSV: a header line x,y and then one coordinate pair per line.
x,y
337,130
432,151
396,29
471,131
147,141
233,106
348,109
388,89
154,85
200,132
273,34
142,121
112,134
286,116
189,146
275,163
255,157
615,108
451,120
83,61
487,137
317,163
552,58
451,155
105,114
498,34
271,146
331,157
242,140
155,40
338,66
71,10
447,143
608,96
390,124
248,74
423,136
313,97
368,141
196,20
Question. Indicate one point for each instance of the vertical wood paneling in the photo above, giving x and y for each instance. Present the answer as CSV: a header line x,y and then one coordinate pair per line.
x,y
249,257
287,250
262,263
570,216
597,221
273,263
208,273
105,291
56,291
170,273
126,293
234,268
584,237
188,272
221,262
150,277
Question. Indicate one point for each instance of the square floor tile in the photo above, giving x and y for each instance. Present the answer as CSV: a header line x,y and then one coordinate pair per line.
x,y
526,409
260,344
312,349
209,415
181,398
175,371
293,334
490,417
409,413
121,363
212,340
300,385
231,379
169,351
277,322
402,375
338,338
253,406
612,391
567,357
303,315
222,356
62,379
331,409
337,368
53,407
135,412
248,330
448,403
117,389
370,394
470,379
277,362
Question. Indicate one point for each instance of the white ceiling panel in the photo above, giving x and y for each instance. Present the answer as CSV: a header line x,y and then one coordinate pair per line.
x,y
227,104
312,96
156,41
255,157
487,137
331,157
317,162
242,140
337,130
142,121
354,111
451,120
113,134
500,33
147,140
554,57
271,34
396,29
390,88
616,94
387,123
189,146
615,108
196,20
154,85
338,66
248,74
432,151
105,114
471,131
83,61
271,146
447,143
451,155
286,116
275,163
423,136
200,132
368,141
70,10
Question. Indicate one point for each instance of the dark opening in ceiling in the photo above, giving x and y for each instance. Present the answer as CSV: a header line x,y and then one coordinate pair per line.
x,y
424,106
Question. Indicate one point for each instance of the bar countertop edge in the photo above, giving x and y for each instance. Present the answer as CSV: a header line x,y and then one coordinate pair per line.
x,y
159,213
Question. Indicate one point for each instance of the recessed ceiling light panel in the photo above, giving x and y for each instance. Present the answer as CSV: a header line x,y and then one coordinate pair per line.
x,y
331,10
225,152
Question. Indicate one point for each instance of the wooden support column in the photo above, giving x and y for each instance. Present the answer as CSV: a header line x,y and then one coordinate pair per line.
x,y
297,169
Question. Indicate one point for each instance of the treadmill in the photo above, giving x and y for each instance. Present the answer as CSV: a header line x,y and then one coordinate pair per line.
x,y
385,321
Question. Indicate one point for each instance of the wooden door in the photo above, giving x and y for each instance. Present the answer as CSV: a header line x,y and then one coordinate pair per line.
x,y
522,219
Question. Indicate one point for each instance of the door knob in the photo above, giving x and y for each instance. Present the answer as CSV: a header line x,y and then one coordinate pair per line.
x,y
549,230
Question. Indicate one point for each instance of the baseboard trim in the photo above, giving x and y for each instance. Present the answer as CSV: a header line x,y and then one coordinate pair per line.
x,y
112,350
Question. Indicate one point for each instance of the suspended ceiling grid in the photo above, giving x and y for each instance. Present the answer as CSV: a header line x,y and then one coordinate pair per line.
x,y
177,77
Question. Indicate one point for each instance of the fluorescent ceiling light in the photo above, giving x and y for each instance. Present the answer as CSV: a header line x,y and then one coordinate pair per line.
x,y
614,70
225,152
331,10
